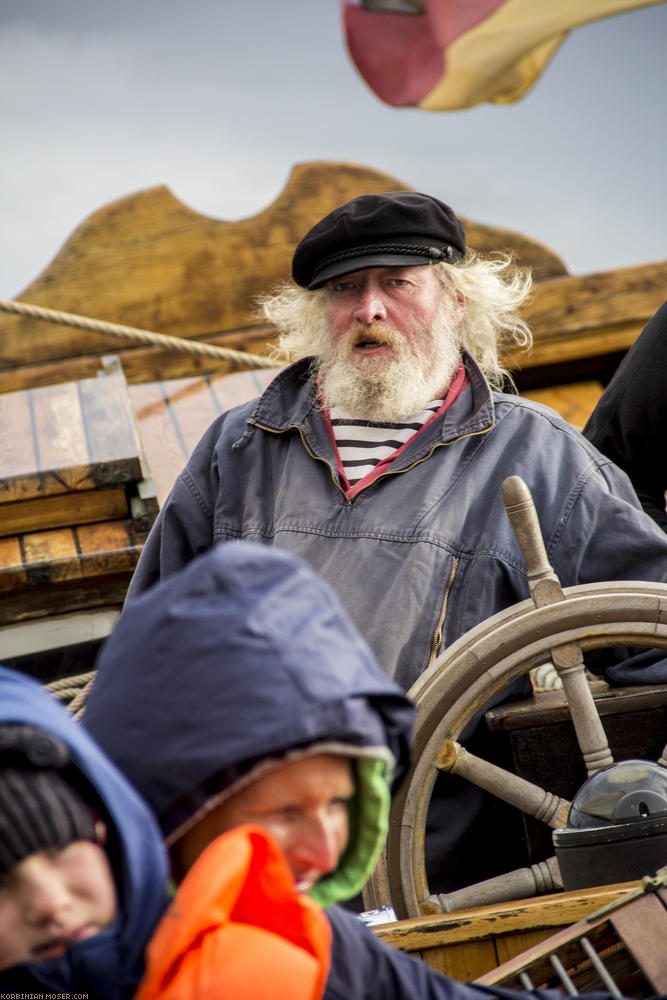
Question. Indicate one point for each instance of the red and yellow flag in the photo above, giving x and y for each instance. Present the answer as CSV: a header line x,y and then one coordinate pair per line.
x,y
454,54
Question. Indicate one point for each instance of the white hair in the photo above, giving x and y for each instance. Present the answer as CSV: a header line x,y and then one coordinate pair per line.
x,y
494,287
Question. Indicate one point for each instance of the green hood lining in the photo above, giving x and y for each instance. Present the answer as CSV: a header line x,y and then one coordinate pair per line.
x,y
369,822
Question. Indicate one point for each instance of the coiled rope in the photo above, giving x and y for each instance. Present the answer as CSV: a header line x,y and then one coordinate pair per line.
x,y
138,336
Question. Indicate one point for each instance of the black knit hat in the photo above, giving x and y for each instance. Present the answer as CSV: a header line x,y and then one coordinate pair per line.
x,y
379,230
38,808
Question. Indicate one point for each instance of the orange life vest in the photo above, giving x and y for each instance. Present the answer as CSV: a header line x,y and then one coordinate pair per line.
x,y
237,928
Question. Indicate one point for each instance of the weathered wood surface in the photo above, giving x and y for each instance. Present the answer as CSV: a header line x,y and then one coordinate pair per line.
x,y
148,260
64,509
470,943
75,507
172,415
574,401
66,569
63,438
595,314
628,940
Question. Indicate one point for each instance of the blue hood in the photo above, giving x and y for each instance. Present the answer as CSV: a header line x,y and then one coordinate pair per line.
x,y
108,965
243,655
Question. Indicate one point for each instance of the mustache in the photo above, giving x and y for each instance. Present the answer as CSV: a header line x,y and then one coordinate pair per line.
x,y
378,333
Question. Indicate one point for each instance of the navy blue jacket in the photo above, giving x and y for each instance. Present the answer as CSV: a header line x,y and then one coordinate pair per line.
x,y
243,656
107,966
426,551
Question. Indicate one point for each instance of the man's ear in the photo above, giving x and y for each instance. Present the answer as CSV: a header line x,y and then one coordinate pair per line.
x,y
460,306
101,835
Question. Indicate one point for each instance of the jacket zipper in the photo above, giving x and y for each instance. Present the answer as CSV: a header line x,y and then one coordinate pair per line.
x,y
437,635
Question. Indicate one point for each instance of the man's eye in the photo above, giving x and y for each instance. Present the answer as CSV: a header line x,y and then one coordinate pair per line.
x,y
289,813
341,802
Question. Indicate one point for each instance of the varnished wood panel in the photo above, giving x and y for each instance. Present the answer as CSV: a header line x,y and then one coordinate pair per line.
x,y
67,569
463,961
574,402
63,509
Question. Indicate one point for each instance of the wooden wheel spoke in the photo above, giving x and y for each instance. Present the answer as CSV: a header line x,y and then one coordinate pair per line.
x,y
530,798
520,884
568,658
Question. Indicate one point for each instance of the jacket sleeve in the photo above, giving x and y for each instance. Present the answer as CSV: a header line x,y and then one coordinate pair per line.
x,y
184,526
364,968
629,423
608,537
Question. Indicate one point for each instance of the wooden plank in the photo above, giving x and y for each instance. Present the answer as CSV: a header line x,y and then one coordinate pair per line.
x,y
57,511
172,416
547,912
70,436
508,946
573,402
193,407
18,455
65,596
164,448
239,388
60,433
12,570
67,569
111,434
463,961
547,707
642,926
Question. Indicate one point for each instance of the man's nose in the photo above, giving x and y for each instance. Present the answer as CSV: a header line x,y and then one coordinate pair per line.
x,y
320,847
369,307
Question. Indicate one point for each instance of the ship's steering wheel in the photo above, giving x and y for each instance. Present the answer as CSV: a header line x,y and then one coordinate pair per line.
x,y
555,625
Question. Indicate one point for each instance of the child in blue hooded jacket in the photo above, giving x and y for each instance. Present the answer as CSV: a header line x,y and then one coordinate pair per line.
x,y
82,864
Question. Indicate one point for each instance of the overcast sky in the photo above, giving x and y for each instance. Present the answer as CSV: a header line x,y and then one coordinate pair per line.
x,y
219,99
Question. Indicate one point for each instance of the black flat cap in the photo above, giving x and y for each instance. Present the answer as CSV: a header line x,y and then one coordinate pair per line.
x,y
378,230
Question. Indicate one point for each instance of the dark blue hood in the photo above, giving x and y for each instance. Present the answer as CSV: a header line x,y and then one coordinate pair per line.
x,y
109,964
244,654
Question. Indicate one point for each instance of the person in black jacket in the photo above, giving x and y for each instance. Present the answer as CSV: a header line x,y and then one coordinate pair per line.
x,y
629,422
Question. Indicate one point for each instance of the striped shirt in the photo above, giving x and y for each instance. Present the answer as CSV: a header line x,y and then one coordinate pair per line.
x,y
361,445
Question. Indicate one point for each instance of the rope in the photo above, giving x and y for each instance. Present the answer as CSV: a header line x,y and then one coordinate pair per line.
x,y
136,335
72,691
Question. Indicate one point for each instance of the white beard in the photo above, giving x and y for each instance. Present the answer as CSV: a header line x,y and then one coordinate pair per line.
x,y
364,390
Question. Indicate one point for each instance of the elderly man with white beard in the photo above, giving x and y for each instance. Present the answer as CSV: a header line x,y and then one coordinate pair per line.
x,y
378,456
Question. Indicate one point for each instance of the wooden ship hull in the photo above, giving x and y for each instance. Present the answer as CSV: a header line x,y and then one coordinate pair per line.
x,y
94,429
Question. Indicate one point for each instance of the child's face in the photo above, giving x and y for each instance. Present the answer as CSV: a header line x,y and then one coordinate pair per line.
x,y
53,898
